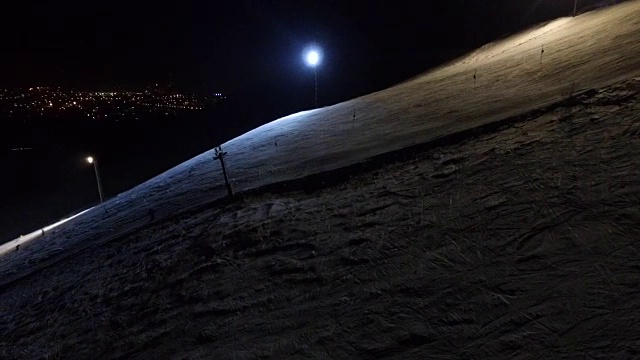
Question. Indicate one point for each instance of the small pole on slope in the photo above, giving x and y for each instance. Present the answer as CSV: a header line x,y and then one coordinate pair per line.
x,y
575,7
541,52
353,120
475,77
220,156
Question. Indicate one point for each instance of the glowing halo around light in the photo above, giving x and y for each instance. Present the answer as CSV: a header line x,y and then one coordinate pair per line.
x,y
313,57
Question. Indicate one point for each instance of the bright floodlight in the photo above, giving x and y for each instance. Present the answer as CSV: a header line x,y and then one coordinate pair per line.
x,y
90,160
313,57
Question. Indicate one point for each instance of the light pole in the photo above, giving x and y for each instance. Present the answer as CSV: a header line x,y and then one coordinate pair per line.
x,y
93,161
575,7
313,58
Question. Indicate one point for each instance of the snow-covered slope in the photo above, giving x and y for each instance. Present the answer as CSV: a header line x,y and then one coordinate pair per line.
x,y
511,76
520,243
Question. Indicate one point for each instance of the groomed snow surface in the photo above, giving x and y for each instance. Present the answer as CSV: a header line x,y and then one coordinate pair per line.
x,y
517,242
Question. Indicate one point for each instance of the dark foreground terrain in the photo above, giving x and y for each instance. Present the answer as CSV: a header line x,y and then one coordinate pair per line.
x,y
516,244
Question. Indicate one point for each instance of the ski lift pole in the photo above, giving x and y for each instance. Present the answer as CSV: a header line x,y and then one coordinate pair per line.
x,y
220,156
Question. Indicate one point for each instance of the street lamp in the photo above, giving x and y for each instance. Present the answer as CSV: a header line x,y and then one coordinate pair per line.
x,y
575,7
313,58
93,161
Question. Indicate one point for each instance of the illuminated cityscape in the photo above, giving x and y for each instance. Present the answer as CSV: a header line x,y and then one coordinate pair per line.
x,y
58,102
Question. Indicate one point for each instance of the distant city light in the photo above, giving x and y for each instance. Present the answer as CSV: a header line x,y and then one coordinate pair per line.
x,y
100,104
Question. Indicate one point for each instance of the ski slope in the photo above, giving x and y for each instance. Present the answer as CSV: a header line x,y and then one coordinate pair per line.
x,y
512,76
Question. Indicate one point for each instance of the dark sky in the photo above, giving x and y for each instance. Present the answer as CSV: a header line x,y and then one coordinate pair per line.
x,y
250,49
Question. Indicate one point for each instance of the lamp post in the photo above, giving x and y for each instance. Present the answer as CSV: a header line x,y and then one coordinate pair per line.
x,y
313,58
93,161
575,7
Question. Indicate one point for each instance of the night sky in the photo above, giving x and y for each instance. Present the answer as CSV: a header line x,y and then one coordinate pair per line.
x,y
251,50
